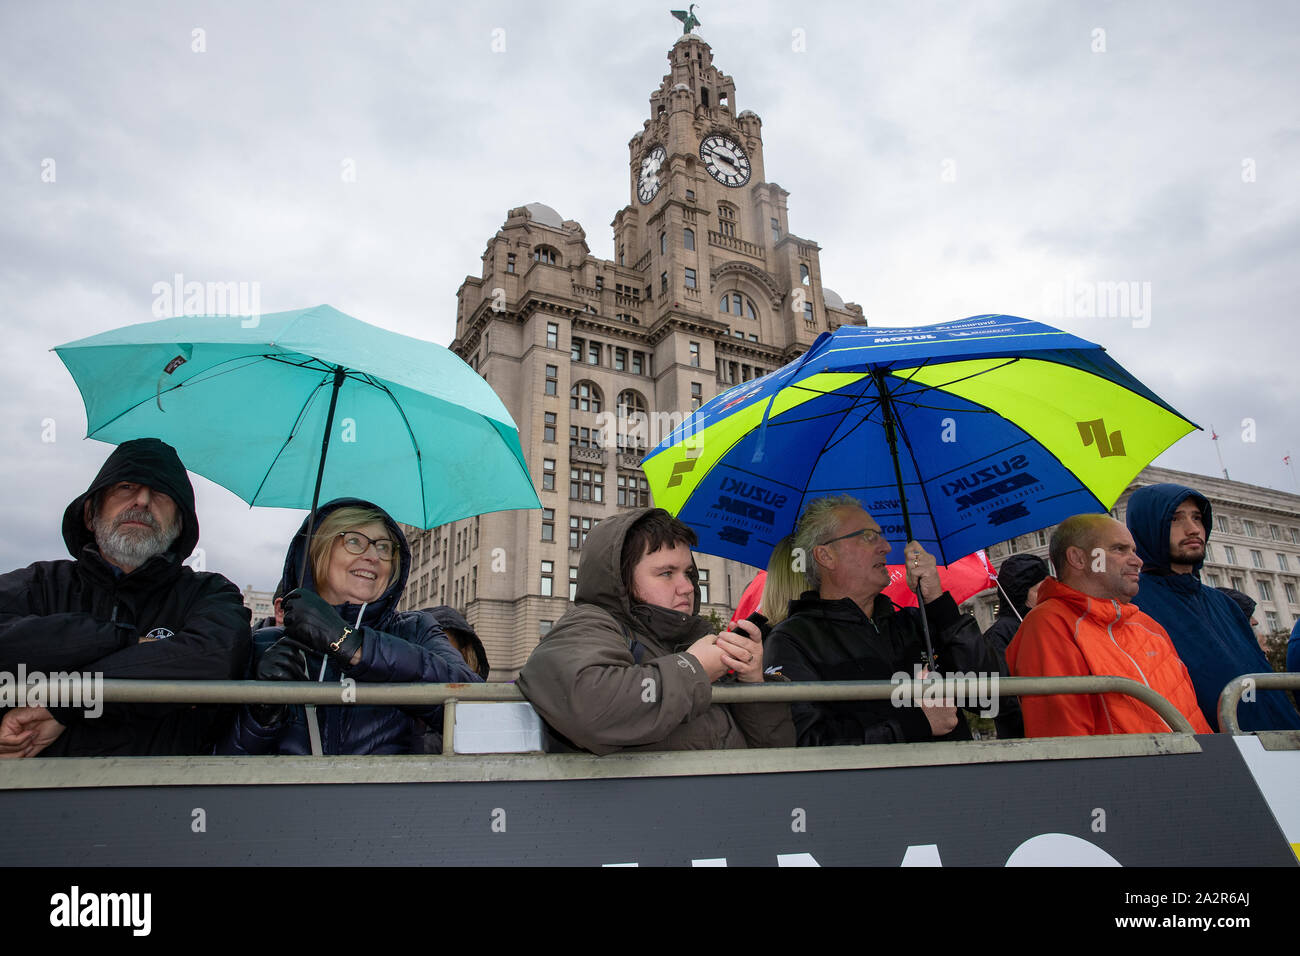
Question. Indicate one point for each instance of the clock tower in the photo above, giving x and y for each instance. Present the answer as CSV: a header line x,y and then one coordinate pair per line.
x,y
598,359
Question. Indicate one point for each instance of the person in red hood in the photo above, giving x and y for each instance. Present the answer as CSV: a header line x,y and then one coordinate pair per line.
x,y
1085,623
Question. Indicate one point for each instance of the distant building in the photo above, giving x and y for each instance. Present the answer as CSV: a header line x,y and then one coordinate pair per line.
x,y
1254,545
261,603
597,359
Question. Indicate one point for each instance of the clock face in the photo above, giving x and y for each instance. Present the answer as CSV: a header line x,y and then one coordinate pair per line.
x,y
647,180
725,160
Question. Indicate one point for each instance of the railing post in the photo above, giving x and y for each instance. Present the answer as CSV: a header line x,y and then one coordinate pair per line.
x,y
448,726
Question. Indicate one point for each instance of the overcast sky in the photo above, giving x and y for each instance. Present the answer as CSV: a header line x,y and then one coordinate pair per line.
x,y
951,159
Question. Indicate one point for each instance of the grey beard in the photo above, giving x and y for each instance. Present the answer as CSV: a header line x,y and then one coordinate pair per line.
x,y
128,549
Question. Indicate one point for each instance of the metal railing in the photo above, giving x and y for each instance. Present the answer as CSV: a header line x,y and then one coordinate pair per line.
x,y
968,689
1231,695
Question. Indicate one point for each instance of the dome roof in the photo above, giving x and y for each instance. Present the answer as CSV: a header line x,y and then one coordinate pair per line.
x,y
680,86
833,300
545,215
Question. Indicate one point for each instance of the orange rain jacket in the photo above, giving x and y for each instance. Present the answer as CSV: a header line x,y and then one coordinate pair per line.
x,y
1069,633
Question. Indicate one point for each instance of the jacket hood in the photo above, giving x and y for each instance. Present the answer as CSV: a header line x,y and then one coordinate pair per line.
x,y
452,620
600,576
146,461
1018,574
1150,516
378,610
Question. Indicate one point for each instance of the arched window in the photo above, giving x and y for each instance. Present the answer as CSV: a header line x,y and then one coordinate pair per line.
x,y
688,238
547,255
584,397
737,304
803,274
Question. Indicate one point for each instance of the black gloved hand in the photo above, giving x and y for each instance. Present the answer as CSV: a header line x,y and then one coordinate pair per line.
x,y
314,624
282,661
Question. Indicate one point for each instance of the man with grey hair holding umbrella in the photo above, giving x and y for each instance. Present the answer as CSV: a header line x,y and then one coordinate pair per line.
x,y
844,628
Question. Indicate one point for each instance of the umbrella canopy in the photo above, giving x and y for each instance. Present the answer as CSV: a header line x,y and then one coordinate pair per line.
x,y
970,432
306,405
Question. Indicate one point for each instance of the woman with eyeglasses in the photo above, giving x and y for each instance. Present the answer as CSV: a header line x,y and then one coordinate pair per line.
x,y
342,622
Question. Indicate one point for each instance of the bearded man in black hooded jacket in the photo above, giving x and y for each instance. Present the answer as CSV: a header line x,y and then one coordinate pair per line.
x,y
125,607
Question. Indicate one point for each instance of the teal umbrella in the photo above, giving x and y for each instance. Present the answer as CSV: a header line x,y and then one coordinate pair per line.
x,y
298,407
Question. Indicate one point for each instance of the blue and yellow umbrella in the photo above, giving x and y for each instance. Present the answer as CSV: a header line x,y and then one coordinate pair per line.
x,y
958,435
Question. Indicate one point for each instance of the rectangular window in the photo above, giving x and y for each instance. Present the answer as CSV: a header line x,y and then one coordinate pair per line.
x,y
1230,555
552,380
1042,539
552,335
1256,558
690,278
620,360
586,484
633,491
510,262
1209,553
807,312
593,353
575,350
1273,624
548,474
690,195
600,283
776,230
1237,583
753,337
1221,522
548,429
1265,591
547,579
695,354
1291,596
638,366
1295,535
704,585
1248,527
697,395
579,528
573,583
544,628
548,524
663,282
1282,564
663,243
1213,579
1275,532
473,583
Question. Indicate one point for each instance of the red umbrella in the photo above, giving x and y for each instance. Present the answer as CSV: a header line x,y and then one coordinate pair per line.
x,y
962,579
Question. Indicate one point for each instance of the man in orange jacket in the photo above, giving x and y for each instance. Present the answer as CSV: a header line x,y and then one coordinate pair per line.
x,y
1085,623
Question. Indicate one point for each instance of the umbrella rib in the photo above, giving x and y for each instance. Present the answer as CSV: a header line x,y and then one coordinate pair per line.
x,y
415,446
857,402
302,413
191,381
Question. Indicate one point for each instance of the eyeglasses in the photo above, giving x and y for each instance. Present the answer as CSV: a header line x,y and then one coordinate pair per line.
x,y
869,536
358,543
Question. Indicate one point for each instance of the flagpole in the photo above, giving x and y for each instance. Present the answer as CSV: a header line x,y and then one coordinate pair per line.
x,y
1286,460
1214,437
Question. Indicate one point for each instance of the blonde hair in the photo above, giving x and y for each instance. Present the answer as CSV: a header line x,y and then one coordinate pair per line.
x,y
783,583
348,518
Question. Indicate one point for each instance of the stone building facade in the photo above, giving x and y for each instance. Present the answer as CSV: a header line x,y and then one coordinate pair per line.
x,y
1254,545
598,359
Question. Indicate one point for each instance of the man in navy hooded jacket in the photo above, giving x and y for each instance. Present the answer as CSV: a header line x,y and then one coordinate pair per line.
x,y
1171,525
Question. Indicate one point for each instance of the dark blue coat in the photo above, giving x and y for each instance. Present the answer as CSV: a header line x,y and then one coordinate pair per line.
x,y
396,647
1210,632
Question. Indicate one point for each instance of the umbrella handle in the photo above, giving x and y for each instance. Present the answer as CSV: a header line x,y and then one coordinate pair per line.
x,y
930,661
